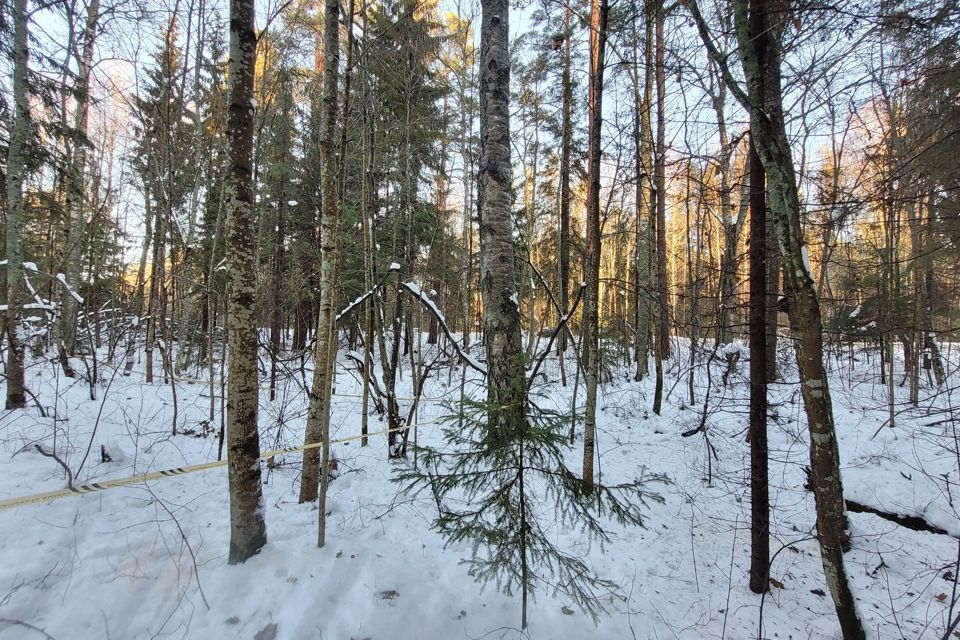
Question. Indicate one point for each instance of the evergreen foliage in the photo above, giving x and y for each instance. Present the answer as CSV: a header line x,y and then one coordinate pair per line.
x,y
504,493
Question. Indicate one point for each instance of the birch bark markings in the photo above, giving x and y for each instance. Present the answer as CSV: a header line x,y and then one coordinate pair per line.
x,y
506,385
316,463
248,532
16,174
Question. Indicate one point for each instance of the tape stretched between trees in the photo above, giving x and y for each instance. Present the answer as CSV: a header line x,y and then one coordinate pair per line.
x,y
94,487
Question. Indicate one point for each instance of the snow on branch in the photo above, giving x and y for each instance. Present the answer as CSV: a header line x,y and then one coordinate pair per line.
x,y
32,266
429,304
39,304
62,279
360,300
356,303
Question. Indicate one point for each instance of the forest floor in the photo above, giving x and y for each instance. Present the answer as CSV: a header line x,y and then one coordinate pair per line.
x,y
149,561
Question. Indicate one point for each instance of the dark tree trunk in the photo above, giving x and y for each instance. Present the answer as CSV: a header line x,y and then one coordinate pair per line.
x,y
566,134
662,342
769,135
759,489
764,102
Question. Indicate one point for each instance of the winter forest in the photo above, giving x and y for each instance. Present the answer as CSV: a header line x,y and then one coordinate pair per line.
x,y
438,319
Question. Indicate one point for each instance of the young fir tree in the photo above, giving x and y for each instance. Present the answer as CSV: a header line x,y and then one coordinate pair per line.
x,y
505,493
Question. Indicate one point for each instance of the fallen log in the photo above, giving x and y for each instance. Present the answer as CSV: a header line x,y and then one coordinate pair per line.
x,y
916,523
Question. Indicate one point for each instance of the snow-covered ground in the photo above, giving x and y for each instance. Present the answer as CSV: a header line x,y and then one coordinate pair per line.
x,y
149,561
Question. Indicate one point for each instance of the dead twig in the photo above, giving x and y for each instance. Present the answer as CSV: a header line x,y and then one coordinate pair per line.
x,y
28,626
51,454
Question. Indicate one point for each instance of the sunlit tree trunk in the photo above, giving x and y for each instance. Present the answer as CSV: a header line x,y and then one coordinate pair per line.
x,y
566,137
465,39
591,263
530,189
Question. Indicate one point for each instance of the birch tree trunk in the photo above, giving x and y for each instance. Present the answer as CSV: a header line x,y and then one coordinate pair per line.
x,y
315,462
368,208
248,532
643,147
76,190
16,174
506,386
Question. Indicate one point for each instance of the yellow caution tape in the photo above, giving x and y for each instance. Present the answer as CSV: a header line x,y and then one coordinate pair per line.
x,y
168,473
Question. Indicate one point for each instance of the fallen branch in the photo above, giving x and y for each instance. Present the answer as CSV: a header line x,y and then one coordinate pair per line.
x,y
11,621
916,523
